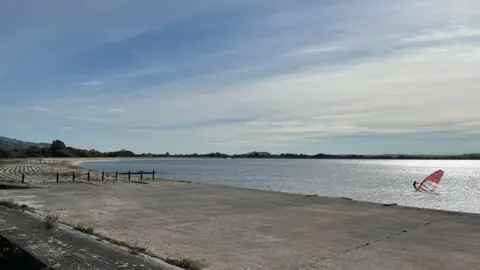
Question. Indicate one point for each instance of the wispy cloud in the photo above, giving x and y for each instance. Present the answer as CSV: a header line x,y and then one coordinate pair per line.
x,y
451,34
247,75
88,119
315,50
91,83
40,109
116,110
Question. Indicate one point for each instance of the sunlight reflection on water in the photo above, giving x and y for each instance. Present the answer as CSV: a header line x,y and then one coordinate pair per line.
x,y
383,181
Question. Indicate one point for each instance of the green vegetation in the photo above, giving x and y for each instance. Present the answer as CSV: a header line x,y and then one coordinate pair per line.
x,y
9,143
185,263
58,149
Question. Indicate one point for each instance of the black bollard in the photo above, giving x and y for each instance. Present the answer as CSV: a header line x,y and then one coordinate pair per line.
x,y
116,176
23,178
141,175
153,175
103,176
58,177
73,177
128,175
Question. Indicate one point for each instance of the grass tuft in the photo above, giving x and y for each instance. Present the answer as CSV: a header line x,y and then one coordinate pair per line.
x,y
84,228
134,249
185,263
13,205
50,221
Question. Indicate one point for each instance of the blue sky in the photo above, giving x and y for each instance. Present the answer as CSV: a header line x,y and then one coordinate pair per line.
x,y
373,76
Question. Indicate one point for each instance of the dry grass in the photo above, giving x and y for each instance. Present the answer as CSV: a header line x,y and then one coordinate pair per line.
x,y
50,221
185,263
84,228
13,205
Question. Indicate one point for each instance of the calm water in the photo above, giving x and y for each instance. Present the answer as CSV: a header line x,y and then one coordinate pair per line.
x,y
384,181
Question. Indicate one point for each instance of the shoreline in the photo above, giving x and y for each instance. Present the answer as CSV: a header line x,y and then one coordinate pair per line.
x,y
77,160
83,160
46,173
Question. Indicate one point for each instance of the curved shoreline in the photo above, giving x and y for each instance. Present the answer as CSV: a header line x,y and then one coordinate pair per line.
x,y
77,161
45,170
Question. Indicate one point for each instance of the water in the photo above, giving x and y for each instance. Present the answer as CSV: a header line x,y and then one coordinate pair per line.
x,y
382,181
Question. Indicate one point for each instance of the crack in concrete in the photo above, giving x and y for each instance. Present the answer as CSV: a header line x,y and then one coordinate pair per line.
x,y
319,260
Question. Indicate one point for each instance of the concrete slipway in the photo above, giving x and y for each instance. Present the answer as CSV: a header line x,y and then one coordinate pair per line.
x,y
233,228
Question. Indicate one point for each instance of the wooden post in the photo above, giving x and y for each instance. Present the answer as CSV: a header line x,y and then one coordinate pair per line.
x,y
141,175
128,175
23,178
73,177
103,176
58,177
116,176
88,176
153,175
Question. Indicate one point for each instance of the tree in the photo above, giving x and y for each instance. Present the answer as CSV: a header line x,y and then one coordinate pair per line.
x,y
6,153
34,151
46,152
58,149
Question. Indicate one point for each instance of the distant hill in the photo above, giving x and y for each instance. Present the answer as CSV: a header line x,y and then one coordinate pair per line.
x,y
9,143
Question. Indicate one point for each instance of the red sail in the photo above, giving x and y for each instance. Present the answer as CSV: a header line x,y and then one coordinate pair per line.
x,y
431,182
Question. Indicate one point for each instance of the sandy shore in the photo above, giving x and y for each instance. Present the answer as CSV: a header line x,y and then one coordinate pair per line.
x,y
77,161
46,169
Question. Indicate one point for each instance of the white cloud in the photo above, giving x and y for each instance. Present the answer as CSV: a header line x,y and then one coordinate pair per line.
x,y
91,83
302,74
415,91
316,49
40,109
116,110
89,119
437,35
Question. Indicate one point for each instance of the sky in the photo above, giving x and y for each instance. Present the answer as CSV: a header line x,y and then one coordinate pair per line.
x,y
311,76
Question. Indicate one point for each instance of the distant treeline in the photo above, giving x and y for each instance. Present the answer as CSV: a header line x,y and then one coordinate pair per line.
x,y
58,149
267,155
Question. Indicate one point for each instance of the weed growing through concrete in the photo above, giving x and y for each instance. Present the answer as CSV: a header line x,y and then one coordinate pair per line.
x,y
50,221
84,228
134,249
185,263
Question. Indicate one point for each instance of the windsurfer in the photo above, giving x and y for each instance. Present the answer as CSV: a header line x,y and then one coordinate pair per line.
x,y
430,183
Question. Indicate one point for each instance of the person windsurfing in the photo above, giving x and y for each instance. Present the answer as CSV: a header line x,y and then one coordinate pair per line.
x,y
415,183
430,183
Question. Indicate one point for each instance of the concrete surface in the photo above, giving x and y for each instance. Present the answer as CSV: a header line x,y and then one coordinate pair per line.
x,y
65,249
232,228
